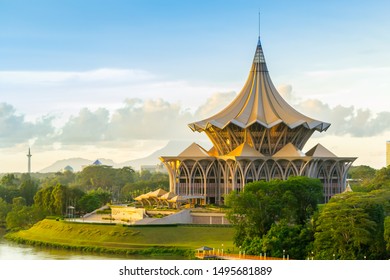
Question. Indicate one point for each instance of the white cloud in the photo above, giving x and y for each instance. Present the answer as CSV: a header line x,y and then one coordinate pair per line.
x,y
86,128
110,111
352,121
63,93
214,104
14,129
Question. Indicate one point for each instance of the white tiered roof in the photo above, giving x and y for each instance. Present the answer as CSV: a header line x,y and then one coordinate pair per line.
x,y
259,102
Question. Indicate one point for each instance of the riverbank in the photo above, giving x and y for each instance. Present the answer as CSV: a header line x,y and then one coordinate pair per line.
x,y
180,240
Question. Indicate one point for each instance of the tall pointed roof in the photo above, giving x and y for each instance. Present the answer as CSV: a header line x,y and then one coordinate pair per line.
x,y
260,102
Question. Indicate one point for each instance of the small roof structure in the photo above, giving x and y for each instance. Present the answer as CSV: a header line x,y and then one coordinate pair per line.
x,y
320,151
142,196
157,193
68,168
289,150
245,150
348,188
194,150
167,196
177,198
151,197
205,248
97,162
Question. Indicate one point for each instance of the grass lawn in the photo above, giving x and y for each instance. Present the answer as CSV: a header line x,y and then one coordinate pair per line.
x,y
118,236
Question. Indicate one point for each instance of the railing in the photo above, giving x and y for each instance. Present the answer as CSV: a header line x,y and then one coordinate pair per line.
x,y
241,256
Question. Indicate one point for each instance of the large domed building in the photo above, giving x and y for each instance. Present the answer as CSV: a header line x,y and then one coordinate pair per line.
x,y
258,136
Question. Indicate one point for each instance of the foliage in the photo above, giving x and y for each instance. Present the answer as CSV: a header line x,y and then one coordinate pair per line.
x,y
387,234
381,179
9,180
22,216
105,177
93,200
8,193
132,190
54,200
361,172
4,209
286,239
64,178
350,226
28,189
261,204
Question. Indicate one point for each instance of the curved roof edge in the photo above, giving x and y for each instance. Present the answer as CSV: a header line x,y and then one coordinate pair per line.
x,y
260,102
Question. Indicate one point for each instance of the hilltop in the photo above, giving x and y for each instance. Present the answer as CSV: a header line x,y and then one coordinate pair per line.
x,y
171,149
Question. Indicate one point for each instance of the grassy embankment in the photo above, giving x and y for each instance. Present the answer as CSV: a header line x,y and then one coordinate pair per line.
x,y
176,240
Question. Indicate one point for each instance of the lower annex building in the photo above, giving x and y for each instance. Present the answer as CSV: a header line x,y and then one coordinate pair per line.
x,y
258,136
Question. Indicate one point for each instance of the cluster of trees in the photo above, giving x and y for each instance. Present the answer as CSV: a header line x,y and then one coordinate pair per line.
x,y
24,200
284,217
274,216
357,225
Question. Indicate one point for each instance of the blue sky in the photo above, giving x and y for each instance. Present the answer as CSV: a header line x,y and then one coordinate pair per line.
x,y
108,66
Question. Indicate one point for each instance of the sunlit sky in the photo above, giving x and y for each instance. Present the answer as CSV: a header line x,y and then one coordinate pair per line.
x,y
119,79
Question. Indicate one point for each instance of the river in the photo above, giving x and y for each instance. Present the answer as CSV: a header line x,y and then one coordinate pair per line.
x,y
13,251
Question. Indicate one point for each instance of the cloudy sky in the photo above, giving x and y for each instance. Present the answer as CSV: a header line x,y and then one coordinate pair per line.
x,y
119,79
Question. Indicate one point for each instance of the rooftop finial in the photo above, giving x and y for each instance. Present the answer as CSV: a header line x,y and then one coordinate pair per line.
x,y
259,23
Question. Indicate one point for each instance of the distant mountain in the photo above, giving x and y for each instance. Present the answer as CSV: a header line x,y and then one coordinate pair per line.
x,y
76,163
173,148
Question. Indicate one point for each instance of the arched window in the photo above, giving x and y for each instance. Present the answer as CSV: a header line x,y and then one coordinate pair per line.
x,y
291,170
197,181
250,175
183,180
263,172
276,173
335,181
238,183
211,185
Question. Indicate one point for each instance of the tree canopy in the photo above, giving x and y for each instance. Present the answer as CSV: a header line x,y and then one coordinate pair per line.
x,y
261,205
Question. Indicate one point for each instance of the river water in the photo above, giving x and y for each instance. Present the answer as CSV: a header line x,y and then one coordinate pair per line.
x,y
13,251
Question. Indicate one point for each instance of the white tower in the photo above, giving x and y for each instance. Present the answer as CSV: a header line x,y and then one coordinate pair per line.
x,y
29,155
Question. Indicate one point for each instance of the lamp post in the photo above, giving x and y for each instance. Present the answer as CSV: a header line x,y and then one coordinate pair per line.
x,y
284,251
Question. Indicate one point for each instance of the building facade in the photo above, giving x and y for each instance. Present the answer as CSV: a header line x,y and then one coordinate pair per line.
x,y
258,136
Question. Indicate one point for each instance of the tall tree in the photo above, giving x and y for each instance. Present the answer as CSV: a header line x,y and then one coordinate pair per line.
x,y
387,234
28,189
4,209
350,226
9,180
262,204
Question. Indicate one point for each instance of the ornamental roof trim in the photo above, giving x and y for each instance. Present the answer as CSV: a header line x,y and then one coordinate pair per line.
x,y
260,102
